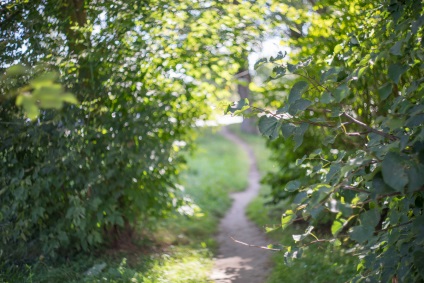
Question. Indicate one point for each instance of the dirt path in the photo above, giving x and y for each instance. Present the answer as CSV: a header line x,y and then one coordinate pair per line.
x,y
236,262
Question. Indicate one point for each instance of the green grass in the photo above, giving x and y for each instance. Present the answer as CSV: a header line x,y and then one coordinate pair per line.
x,y
217,168
319,263
182,246
257,143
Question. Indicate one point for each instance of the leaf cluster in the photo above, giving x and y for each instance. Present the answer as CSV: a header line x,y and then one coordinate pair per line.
x,y
361,97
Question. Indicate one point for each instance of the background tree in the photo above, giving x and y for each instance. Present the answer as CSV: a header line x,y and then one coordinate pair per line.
x,y
143,73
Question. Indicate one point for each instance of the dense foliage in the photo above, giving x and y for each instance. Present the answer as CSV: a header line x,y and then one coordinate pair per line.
x,y
139,75
97,98
360,95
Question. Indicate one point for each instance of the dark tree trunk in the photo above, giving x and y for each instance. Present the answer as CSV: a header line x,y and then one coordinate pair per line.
x,y
249,124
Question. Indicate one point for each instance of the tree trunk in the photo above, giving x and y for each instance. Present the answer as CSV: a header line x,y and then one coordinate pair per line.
x,y
249,124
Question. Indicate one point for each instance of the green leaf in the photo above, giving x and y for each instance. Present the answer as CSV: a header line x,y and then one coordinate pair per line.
x,y
287,129
294,28
337,49
287,218
260,62
337,226
380,187
44,80
279,71
280,55
292,68
269,126
300,160
29,105
299,105
334,169
15,70
395,72
385,90
341,92
415,121
320,193
69,97
361,233
361,71
326,98
415,176
344,208
393,171
329,139
300,197
418,256
308,231
394,124
418,226
329,75
337,243
297,90
240,106
396,49
292,186
354,40
49,96
316,211
283,109
298,134
370,218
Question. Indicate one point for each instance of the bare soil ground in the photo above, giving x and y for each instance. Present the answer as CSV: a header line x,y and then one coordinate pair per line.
x,y
236,262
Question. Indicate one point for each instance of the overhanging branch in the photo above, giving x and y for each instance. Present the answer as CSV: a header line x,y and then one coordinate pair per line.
x,y
362,124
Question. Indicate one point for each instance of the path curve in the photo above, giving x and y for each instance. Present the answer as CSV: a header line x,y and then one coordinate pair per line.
x,y
236,262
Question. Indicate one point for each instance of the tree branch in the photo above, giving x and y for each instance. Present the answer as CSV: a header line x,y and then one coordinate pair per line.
x,y
378,132
316,241
394,226
255,246
356,134
346,187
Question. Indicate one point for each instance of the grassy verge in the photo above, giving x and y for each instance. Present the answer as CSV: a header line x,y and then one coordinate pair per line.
x,y
319,263
180,250
218,167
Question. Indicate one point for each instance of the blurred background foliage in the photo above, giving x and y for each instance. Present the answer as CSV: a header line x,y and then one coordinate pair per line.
x,y
100,99
135,77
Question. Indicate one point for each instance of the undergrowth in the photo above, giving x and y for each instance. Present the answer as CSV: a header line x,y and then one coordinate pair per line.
x,y
179,250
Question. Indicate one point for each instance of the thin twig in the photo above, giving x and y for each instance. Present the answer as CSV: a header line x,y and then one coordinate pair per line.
x,y
394,226
255,246
316,241
350,188
362,124
356,134
242,74
378,198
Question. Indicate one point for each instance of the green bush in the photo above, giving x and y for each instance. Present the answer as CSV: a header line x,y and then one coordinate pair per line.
x,y
75,176
361,91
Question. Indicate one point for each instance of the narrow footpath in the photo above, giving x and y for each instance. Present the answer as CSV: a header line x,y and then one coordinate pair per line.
x,y
236,262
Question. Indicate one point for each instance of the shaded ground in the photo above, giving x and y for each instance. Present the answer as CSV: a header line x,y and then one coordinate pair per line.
x,y
236,262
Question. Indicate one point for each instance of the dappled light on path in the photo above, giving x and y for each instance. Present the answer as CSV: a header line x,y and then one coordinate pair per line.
x,y
236,262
